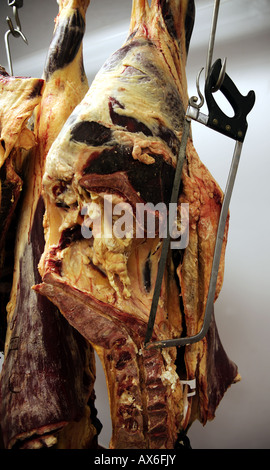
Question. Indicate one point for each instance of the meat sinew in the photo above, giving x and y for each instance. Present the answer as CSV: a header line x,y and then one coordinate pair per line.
x,y
118,150
48,372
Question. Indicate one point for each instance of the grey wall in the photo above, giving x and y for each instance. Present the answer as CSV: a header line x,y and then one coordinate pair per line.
x,y
242,310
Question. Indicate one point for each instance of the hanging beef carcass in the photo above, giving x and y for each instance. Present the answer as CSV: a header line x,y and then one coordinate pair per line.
x,y
18,99
119,149
47,396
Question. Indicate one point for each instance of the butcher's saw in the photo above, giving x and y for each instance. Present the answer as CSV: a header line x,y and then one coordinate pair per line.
x,y
234,127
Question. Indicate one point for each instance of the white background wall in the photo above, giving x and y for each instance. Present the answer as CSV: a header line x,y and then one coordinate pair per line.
x,y
242,310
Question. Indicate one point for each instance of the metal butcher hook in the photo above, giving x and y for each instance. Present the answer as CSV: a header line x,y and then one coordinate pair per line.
x,y
16,32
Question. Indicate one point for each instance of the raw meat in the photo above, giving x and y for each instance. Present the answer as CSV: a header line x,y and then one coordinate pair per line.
x,y
18,98
120,146
47,395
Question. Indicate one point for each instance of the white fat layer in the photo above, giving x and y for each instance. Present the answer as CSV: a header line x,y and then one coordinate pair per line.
x,y
109,252
169,375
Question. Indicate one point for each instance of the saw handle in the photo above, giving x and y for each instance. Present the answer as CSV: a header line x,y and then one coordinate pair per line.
x,y
236,126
